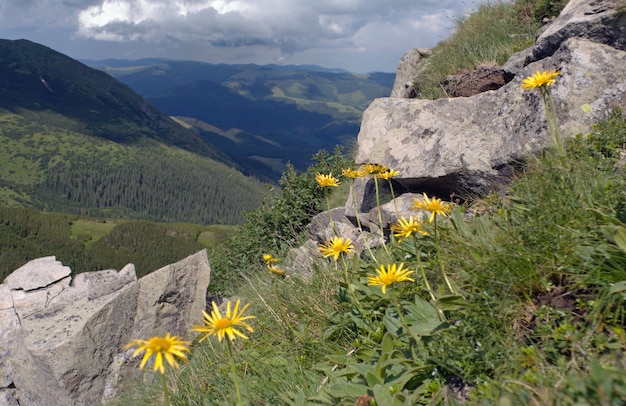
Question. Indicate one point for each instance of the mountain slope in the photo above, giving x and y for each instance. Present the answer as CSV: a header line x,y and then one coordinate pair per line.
x,y
36,78
75,140
287,113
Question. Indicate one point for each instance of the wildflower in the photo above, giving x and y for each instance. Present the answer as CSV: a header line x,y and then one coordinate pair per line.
x,y
275,270
388,174
434,206
216,324
540,79
350,173
269,259
405,228
386,276
167,347
326,180
372,169
336,246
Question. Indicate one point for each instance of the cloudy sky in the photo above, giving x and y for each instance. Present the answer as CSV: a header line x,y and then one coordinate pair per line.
x,y
358,35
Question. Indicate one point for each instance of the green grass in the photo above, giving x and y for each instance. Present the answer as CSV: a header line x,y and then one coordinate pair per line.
x,y
537,316
90,231
534,313
490,35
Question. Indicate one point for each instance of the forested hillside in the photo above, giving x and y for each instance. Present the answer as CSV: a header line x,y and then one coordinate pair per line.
x,y
75,140
89,244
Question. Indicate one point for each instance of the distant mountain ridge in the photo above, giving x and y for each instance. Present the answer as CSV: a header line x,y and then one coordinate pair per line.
x,y
278,113
76,140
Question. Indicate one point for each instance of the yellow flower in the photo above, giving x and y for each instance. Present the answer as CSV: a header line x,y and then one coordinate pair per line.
x,y
387,276
434,206
216,324
372,169
326,180
540,79
275,270
350,173
388,174
162,347
405,228
336,246
269,259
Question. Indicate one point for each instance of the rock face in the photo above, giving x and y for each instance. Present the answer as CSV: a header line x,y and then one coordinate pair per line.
x,y
600,21
59,344
465,143
408,71
469,145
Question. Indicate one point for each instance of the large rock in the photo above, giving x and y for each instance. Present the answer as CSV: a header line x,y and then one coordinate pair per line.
x,y
64,351
464,145
600,21
408,72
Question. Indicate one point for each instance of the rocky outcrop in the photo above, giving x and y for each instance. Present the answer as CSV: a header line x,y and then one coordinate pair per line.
x,y
61,344
600,21
408,71
465,145
470,145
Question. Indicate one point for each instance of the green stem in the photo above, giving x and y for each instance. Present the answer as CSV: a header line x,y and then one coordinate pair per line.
x,y
167,397
234,371
553,126
330,213
421,270
380,216
440,259
358,222
357,303
393,197
396,303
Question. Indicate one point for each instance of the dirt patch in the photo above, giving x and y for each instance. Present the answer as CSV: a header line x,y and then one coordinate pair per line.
x,y
479,80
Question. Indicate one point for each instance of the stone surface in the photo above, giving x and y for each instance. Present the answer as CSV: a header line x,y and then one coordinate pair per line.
x,y
66,349
408,71
173,298
597,20
37,274
464,145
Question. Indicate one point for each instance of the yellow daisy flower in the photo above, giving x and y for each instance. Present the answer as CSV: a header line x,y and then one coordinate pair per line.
x,y
350,173
388,174
275,270
167,347
372,169
336,246
386,276
270,259
326,180
434,206
540,79
405,228
221,326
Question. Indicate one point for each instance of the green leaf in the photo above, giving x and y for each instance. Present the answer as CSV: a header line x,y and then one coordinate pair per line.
x,y
347,389
451,302
372,379
619,236
382,396
393,325
618,287
428,329
387,344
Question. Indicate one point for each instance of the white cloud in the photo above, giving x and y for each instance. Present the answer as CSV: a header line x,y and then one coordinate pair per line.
x,y
265,30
